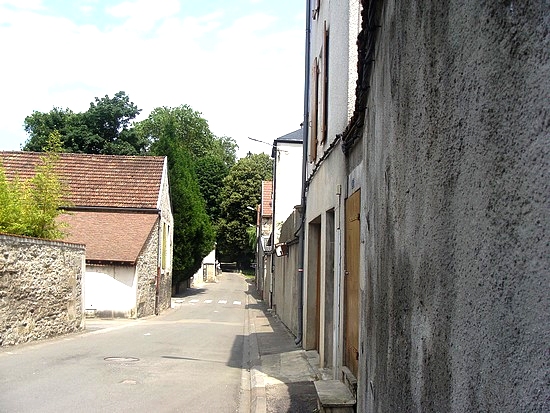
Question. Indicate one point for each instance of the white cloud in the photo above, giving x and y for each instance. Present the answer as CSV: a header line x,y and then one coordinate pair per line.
x,y
23,4
245,76
142,15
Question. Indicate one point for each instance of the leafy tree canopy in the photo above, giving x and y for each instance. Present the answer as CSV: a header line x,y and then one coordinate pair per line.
x,y
181,124
105,128
183,136
212,156
240,193
194,236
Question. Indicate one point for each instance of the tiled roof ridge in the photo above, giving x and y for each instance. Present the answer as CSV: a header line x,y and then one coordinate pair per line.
x,y
132,181
89,155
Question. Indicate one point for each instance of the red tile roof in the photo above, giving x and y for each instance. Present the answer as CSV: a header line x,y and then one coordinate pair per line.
x,y
97,180
109,236
267,189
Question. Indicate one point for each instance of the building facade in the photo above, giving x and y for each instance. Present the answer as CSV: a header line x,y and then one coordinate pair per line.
x,y
426,215
119,207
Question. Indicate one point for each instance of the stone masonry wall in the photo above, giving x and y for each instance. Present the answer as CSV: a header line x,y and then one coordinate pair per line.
x,y
456,219
147,267
165,296
40,289
147,271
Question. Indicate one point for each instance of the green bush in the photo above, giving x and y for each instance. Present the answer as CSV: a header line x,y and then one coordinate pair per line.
x,y
30,207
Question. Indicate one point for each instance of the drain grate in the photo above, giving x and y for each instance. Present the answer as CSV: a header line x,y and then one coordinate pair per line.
x,y
121,359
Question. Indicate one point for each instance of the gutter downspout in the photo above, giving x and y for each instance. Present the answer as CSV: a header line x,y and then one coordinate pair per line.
x,y
305,131
274,155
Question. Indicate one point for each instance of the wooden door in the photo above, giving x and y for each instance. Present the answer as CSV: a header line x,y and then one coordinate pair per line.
x,y
351,282
318,293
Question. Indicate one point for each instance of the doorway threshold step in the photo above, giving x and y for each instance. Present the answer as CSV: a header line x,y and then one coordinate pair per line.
x,y
333,396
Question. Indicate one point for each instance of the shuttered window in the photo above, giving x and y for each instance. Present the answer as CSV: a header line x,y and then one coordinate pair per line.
x,y
314,111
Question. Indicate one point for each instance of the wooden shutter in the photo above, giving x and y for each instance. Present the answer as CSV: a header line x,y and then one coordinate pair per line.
x,y
323,119
314,114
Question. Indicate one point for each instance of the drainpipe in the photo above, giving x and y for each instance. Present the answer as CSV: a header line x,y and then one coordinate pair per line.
x,y
305,131
274,154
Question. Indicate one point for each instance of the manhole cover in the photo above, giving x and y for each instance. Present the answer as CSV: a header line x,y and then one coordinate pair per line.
x,y
121,359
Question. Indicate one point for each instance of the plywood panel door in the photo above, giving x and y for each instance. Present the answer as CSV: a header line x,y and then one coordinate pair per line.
x,y
351,282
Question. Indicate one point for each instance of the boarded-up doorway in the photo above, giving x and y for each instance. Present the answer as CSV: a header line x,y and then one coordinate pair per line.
x,y
351,282
329,290
313,286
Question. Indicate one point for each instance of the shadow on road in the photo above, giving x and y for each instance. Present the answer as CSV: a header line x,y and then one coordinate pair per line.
x,y
190,292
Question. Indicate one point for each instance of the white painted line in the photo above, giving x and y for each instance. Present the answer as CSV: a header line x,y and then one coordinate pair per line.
x,y
194,301
236,302
222,302
208,301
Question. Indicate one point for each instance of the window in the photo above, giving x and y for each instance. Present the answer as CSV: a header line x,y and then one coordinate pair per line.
x,y
319,98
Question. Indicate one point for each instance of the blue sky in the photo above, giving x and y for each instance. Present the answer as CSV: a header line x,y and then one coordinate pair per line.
x,y
240,62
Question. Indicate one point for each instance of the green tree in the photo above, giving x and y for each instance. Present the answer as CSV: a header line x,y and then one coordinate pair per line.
x,y
183,123
40,125
11,197
31,207
109,121
105,128
240,194
212,156
194,235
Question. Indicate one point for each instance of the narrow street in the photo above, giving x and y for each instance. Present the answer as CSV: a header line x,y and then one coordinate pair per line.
x,y
188,359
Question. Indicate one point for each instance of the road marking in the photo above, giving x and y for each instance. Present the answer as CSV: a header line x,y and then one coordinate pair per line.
x,y
207,301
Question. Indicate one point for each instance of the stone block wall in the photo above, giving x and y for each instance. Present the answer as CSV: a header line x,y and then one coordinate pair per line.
x,y
165,293
40,289
147,267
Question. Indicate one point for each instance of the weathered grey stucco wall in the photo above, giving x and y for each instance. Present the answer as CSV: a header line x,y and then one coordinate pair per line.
x,y
457,209
40,289
285,276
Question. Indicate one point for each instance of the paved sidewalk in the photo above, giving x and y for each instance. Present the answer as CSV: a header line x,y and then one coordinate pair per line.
x,y
281,373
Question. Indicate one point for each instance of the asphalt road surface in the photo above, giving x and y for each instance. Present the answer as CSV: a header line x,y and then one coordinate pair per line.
x,y
188,359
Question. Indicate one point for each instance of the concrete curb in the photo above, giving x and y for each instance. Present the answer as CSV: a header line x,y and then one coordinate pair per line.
x,y
258,401
245,397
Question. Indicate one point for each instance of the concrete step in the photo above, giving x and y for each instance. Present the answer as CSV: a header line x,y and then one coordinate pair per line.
x,y
333,396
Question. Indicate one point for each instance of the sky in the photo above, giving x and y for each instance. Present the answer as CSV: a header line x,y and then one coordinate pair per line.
x,y
240,63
